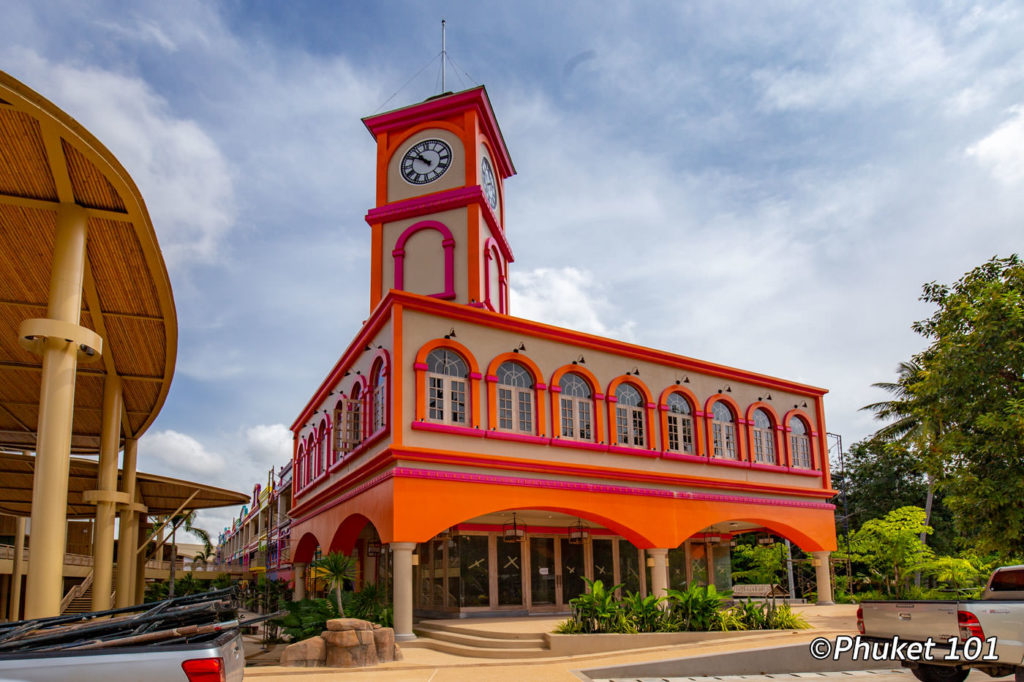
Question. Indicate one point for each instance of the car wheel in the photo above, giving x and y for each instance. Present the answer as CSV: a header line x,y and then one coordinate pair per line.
x,y
945,673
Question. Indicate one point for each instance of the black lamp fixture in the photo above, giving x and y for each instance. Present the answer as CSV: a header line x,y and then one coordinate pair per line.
x,y
578,533
635,371
804,405
450,334
520,347
367,349
579,361
513,531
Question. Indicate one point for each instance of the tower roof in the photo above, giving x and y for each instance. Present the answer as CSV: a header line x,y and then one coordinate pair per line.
x,y
445,105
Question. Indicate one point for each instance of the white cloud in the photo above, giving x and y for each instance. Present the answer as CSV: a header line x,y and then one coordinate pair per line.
x,y
180,454
567,297
181,173
1001,152
269,443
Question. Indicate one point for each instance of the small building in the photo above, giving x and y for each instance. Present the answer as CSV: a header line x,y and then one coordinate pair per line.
x,y
486,463
257,542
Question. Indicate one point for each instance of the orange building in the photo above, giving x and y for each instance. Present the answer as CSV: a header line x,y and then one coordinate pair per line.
x,y
484,462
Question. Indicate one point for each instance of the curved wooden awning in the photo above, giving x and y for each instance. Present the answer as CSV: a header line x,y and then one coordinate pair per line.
x,y
47,158
160,494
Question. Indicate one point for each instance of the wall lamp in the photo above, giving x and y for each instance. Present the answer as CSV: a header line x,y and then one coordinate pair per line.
x,y
520,347
635,371
685,380
579,361
450,334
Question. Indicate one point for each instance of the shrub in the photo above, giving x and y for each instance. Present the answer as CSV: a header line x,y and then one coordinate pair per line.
x,y
306,618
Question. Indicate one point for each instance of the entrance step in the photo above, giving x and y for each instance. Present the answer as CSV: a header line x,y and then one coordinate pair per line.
x,y
478,643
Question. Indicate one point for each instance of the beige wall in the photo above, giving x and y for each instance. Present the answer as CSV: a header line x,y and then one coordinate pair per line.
x,y
486,343
424,255
399,188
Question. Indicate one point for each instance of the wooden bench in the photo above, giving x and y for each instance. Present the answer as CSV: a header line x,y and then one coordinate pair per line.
x,y
759,591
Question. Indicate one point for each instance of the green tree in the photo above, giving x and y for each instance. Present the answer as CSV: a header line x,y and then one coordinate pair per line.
x,y
762,563
973,381
337,568
891,549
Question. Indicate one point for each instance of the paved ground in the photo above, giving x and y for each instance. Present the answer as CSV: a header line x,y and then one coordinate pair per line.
x,y
426,665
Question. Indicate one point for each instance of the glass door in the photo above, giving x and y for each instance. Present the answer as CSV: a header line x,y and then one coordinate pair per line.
x,y
510,573
573,571
542,571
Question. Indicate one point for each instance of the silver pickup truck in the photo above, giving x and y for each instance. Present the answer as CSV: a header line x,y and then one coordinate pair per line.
x,y
985,634
195,638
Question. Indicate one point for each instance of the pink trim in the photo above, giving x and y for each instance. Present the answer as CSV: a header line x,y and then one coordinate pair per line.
x,y
612,399
641,452
447,428
345,497
521,437
663,407
421,366
541,530
684,457
578,444
491,378
730,462
805,472
447,243
769,467
541,386
556,389
599,396
474,99
651,406
699,413
476,375
743,421
552,484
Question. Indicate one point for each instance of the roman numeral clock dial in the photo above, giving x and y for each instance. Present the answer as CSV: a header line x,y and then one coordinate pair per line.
x,y
426,161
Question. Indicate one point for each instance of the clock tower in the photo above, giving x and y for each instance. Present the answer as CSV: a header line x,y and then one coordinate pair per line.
x,y
438,227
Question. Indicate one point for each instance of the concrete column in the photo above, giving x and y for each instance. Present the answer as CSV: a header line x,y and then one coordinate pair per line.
x,y
402,554
299,592
659,572
127,539
106,484
822,573
56,410
18,569
140,564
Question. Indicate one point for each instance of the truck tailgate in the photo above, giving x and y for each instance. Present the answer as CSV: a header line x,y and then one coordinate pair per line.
x,y
911,620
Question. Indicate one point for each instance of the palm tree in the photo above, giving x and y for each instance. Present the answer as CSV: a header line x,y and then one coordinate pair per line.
x,y
338,568
911,422
202,557
185,521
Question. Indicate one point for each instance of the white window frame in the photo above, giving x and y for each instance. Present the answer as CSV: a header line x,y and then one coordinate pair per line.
x,y
679,425
630,419
515,399
576,401
447,389
380,414
764,438
800,445
723,433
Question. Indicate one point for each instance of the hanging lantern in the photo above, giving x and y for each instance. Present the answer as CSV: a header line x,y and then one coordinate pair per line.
x,y
514,531
373,548
765,540
578,533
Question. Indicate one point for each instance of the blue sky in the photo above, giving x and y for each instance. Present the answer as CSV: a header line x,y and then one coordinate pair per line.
x,y
788,174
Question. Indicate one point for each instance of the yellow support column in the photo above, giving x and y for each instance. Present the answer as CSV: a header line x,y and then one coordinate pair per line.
x,y
56,409
106,496
128,538
18,569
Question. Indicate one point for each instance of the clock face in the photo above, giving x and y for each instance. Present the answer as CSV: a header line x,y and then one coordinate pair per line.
x,y
426,161
487,181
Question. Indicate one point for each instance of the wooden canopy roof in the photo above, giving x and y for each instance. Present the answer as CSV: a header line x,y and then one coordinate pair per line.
x,y
47,158
160,494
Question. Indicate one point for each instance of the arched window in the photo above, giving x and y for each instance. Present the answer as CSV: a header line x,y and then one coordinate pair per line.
x,y
764,438
680,424
380,383
447,396
515,398
575,406
723,429
300,466
800,444
321,447
354,419
629,416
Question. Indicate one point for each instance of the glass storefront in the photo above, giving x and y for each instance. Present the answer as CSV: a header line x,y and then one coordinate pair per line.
x,y
474,570
510,573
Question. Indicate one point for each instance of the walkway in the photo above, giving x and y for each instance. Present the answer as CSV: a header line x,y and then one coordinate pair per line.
x,y
425,665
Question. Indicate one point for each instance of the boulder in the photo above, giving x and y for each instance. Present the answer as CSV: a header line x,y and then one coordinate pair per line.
x,y
342,624
384,641
366,637
309,653
344,638
398,653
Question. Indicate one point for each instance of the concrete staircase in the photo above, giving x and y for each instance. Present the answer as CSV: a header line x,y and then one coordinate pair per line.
x,y
460,640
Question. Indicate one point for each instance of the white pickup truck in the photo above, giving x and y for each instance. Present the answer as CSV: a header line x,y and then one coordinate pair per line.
x,y
985,634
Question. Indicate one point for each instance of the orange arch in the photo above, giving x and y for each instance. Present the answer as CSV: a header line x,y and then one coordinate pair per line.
x,y
397,142
811,532
538,381
811,433
304,550
595,389
780,456
348,531
630,379
421,378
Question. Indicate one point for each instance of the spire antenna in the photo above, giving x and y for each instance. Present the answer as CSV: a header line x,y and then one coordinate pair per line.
x,y
444,55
